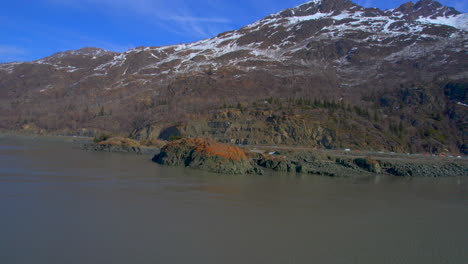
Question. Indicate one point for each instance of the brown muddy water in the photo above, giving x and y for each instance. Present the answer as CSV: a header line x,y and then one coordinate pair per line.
x,y
59,204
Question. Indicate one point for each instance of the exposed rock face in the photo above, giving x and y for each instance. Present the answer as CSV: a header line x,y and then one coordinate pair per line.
x,y
301,162
314,7
426,8
399,61
206,154
409,169
368,164
338,165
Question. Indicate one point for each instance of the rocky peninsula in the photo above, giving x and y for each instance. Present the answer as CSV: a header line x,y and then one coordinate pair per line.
x,y
211,155
207,154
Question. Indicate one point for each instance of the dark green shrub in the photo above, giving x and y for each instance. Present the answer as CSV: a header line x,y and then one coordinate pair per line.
x,y
175,137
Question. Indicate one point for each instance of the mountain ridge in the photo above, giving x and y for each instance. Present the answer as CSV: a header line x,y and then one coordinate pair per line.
x,y
425,9
329,49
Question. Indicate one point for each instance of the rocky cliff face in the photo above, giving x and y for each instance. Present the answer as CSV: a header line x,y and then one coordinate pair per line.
x,y
408,63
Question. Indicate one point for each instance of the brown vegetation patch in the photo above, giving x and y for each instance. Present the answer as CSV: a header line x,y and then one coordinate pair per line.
x,y
153,143
120,141
209,147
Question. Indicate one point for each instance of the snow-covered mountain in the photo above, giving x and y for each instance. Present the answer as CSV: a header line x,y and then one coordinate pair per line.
x,y
280,37
321,49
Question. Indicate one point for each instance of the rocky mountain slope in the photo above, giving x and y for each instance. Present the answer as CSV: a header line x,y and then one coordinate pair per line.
x,y
330,73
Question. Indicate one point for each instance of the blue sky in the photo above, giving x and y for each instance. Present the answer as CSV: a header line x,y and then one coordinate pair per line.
x,y
34,29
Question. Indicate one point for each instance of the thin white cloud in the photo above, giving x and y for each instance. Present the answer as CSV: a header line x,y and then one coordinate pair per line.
x,y
11,50
58,39
199,19
178,12
10,53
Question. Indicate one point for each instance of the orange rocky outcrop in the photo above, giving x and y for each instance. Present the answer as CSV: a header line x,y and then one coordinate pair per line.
x,y
206,154
212,148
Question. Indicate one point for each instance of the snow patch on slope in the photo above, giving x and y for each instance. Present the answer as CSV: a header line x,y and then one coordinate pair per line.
x,y
9,67
457,21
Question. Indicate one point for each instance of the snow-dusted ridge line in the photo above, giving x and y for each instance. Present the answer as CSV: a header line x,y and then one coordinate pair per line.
x,y
227,42
212,48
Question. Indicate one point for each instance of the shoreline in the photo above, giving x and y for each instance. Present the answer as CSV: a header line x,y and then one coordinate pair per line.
x,y
301,160
267,148
59,138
